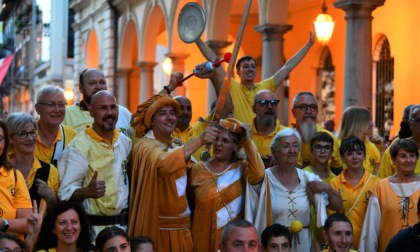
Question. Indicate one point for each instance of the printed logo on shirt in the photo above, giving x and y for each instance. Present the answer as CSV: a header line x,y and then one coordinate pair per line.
x,y
12,190
372,161
367,196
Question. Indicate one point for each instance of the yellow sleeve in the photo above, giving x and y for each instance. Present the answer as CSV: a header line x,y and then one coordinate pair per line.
x,y
387,167
22,198
53,179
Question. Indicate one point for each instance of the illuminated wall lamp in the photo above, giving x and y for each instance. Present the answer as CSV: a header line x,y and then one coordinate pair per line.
x,y
324,26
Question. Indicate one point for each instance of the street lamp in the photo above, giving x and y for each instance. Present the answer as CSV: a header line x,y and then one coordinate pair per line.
x,y
324,26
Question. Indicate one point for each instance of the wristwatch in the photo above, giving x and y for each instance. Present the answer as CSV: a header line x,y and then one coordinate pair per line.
x,y
5,226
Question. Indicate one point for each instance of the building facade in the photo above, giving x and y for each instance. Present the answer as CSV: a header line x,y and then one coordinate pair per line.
x,y
370,60
39,36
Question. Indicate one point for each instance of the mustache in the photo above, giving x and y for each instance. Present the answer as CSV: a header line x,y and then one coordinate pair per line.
x,y
110,117
312,117
269,111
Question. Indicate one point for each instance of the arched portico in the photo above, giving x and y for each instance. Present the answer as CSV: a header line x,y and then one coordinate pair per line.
x,y
92,59
128,72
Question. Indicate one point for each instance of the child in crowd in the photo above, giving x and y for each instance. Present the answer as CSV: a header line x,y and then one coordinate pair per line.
x,y
141,244
276,238
112,239
321,148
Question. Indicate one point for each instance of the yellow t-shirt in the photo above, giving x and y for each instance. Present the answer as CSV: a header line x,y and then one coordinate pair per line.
x,y
243,98
53,179
263,142
184,136
196,130
306,158
349,195
45,154
14,193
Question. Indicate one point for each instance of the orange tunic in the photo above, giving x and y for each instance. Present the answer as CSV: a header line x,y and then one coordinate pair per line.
x,y
392,207
219,198
158,203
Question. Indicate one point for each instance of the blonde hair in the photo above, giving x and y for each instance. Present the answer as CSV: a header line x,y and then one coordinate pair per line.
x,y
354,122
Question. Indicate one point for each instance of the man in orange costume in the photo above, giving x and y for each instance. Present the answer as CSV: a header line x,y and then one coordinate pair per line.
x,y
158,203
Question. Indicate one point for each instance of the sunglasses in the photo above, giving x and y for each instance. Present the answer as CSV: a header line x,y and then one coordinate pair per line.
x,y
265,103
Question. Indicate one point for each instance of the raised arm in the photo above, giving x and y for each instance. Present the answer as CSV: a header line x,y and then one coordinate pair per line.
x,y
207,136
284,71
174,82
217,76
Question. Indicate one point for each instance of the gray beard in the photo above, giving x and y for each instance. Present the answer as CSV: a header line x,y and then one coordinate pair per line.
x,y
307,131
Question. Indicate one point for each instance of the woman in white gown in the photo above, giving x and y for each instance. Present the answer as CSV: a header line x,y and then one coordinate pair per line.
x,y
287,192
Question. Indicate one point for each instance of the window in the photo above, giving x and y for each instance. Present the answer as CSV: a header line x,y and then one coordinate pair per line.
x,y
326,86
384,93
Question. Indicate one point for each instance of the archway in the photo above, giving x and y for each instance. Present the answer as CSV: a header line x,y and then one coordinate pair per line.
x,y
92,51
383,79
128,70
325,89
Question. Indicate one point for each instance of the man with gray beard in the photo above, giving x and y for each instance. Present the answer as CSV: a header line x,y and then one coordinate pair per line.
x,y
305,111
265,125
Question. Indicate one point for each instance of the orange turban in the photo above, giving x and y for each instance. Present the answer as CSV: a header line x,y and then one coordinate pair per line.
x,y
142,118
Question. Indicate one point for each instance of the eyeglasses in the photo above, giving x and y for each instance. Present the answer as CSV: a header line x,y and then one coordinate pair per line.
x,y
224,141
53,105
305,107
320,148
265,103
24,134
417,120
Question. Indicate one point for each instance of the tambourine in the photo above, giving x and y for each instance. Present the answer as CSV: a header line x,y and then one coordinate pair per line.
x,y
191,22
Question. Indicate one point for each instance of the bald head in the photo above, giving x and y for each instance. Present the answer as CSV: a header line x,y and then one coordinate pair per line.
x,y
91,80
184,118
96,98
265,109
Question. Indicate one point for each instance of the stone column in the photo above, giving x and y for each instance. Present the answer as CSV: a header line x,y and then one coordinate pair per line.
x,y
216,46
273,59
122,84
77,66
146,79
178,65
107,53
358,58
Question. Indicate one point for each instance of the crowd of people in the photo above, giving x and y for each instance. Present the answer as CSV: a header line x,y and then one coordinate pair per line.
x,y
95,177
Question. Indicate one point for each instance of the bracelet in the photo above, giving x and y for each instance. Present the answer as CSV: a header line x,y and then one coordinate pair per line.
x,y
167,89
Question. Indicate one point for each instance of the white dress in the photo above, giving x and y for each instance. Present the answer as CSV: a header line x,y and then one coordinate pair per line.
x,y
286,206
